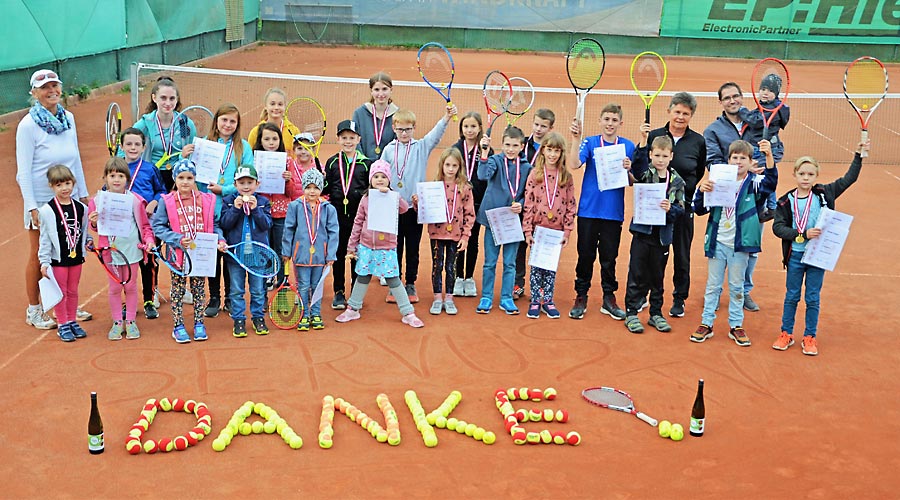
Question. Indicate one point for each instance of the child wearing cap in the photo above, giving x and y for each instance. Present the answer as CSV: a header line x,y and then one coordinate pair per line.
x,y
245,216
346,181
311,235
769,89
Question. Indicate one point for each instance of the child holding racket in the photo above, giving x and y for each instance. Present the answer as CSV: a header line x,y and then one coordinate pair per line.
x,y
795,223
270,138
63,223
769,89
376,254
311,242
181,215
549,203
732,234
117,179
506,174
375,118
274,104
452,236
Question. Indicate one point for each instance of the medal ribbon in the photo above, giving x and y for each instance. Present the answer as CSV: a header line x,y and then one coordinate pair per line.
x,y
313,233
512,187
405,160
226,160
71,236
470,166
345,179
167,148
379,132
537,149
551,199
135,174
803,220
451,212
192,231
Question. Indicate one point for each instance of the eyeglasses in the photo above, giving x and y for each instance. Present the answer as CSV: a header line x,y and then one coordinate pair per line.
x,y
43,76
734,97
404,130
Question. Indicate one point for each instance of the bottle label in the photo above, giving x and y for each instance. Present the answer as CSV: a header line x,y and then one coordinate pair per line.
x,y
697,425
95,442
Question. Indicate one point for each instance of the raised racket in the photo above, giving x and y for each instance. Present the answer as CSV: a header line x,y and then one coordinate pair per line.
x,y
309,116
584,66
648,77
436,69
286,305
114,263
521,101
256,258
113,127
176,259
201,117
865,87
777,69
614,399
498,93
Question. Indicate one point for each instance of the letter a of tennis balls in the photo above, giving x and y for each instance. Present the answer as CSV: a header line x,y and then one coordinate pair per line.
x,y
520,437
269,427
257,427
665,429
535,415
245,429
489,438
677,432
573,438
181,443
533,437
218,444
523,393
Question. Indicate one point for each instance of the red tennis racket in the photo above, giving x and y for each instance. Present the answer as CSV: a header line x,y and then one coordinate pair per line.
x,y
614,399
498,94
114,263
865,87
769,72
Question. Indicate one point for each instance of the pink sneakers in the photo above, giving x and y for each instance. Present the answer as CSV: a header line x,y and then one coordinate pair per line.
x,y
348,315
410,319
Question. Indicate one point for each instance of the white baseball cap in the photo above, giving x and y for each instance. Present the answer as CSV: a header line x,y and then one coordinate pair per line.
x,y
42,77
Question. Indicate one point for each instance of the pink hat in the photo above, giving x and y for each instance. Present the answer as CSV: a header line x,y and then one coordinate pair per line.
x,y
380,167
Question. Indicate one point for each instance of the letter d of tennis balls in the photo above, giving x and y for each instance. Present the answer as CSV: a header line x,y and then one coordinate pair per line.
x,y
665,429
677,432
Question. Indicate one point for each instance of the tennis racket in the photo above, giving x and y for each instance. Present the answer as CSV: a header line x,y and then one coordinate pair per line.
x,y
202,119
286,306
648,77
584,66
497,93
309,116
865,87
770,69
256,258
437,69
113,127
521,101
114,263
176,259
614,399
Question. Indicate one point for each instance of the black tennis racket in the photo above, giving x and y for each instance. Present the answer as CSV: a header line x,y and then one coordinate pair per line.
x,y
585,63
114,263
174,257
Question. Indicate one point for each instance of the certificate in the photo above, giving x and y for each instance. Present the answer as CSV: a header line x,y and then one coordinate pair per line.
x,y
610,161
647,198
115,213
203,255
725,186
384,211
545,249
320,287
823,252
505,225
51,294
270,166
432,202
208,157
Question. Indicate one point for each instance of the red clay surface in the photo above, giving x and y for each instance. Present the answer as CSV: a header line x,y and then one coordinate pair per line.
x,y
780,424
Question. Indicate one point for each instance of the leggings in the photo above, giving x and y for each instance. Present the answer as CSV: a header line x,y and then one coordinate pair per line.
x,y
68,278
198,290
443,255
131,297
542,284
149,276
395,285
465,261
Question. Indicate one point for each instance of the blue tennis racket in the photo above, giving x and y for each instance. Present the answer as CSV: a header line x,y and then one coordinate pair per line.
x,y
437,69
176,259
256,258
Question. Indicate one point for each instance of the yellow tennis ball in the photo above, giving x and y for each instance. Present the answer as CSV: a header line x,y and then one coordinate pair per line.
x,y
269,427
257,427
461,426
452,422
677,432
245,429
470,430
218,444
478,433
523,393
488,438
431,418
665,429
325,442
440,422
393,438
533,437
431,439
150,446
296,443
546,436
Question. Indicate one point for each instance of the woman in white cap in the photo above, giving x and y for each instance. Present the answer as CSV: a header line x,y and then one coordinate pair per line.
x,y
45,137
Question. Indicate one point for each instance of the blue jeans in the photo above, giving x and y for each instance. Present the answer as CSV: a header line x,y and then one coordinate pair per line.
x,y
307,279
736,264
276,233
237,277
814,278
489,271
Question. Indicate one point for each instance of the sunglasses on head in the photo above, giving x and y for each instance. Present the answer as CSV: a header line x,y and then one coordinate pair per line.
x,y
44,76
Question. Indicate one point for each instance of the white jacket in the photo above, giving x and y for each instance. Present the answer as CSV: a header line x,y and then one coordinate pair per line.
x,y
49,248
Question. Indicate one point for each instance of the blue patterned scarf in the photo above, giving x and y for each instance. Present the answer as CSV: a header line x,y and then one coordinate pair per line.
x,y
51,124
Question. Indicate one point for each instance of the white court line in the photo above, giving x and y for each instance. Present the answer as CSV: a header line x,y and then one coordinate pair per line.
x,y
892,174
8,240
823,136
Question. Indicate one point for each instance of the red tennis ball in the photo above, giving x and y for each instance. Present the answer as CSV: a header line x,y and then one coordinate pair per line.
x,y
163,444
549,394
509,425
573,438
523,393
535,415
189,405
536,394
133,446
178,404
181,443
520,437
559,437
192,439
547,414
522,415
150,446
562,416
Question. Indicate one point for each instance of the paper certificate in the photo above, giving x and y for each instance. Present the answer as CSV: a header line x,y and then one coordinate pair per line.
x,y
51,294
208,157
505,225
609,162
384,211
647,198
115,213
545,249
725,186
432,202
320,287
270,166
823,252
203,255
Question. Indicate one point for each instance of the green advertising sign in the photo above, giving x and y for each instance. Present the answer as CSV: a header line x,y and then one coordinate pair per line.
x,y
836,21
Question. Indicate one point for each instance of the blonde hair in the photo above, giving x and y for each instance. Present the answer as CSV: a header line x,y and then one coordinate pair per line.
x,y
60,173
404,116
236,139
460,179
806,159
264,115
662,142
553,140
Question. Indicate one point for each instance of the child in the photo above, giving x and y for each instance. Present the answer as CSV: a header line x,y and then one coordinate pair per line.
x,y
62,246
650,244
146,183
505,174
408,159
346,182
549,203
311,242
117,178
452,236
182,214
732,234
379,111
246,216
376,254
270,139
274,106
795,221
470,133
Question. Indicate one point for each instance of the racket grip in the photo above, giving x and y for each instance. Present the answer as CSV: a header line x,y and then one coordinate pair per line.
x,y
646,418
647,115
864,137
455,117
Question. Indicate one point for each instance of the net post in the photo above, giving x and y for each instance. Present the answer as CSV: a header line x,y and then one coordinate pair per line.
x,y
135,91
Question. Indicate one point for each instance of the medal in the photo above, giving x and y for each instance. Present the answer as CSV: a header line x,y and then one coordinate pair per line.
x,y
312,224
72,254
801,221
449,227
378,150
513,188
192,245
380,236
246,198
346,201
470,166
727,225
189,218
451,210
400,184
312,250
550,215
799,239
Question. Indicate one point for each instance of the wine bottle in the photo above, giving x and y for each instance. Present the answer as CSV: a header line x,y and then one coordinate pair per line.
x,y
698,413
95,428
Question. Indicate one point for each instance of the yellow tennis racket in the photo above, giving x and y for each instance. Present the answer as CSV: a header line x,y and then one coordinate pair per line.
x,y
648,77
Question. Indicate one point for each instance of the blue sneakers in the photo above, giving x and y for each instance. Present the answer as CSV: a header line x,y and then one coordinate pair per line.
x,y
77,331
534,310
65,333
550,310
484,306
508,306
200,332
180,334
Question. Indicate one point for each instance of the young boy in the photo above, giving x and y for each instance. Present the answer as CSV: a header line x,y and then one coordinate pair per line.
x,y
346,180
237,225
769,88
600,216
408,158
650,244
732,234
506,174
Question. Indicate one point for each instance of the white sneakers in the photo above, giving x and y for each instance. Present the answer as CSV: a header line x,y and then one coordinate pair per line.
x,y
35,316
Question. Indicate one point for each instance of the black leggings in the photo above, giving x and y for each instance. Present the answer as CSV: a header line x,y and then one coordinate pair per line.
x,y
443,257
465,261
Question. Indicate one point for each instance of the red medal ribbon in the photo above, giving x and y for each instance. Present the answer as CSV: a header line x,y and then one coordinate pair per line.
x,y
451,212
379,132
551,199
512,187
405,160
192,231
313,233
470,166
345,179
167,148
226,160
71,236
803,220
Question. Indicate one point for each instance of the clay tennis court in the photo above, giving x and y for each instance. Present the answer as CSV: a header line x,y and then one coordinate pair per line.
x,y
779,424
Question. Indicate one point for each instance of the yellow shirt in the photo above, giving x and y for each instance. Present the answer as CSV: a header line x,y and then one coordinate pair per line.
x,y
288,131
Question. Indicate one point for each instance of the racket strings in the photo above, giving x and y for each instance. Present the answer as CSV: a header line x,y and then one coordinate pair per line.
x,y
585,63
767,73
521,97
865,83
608,398
497,93
436,67
307,117
648,75
202,122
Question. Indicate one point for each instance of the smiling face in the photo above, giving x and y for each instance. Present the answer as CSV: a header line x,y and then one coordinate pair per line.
x,y
609,125
166,98
227,124
404,131
48,95
470,128
275,106
270,140
63,190
731,100
806,176
381,94
302,154
116,182
184,183
551,155
133,146
679,118
246,185
380,180
348,140
512,147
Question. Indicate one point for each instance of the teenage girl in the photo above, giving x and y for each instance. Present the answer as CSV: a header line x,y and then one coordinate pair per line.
x,y
375,118
470,133
270,139
274,106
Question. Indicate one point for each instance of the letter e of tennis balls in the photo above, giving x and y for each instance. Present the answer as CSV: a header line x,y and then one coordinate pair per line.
x,y
512,393
533,437
562,416
573,438
523,393
521,415
677,432
559,437
547,414
665,429
535,415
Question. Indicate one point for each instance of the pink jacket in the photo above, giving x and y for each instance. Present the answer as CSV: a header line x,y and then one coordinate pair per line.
x,y
462,219
293,189
371,239
140,217
537,208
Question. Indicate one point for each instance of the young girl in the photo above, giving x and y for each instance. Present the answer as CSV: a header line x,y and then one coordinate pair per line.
x,y
62,246
117,179
375,118
795,224
549,203
226,129
376,253
310,241
274,106
470,133
270,139
452,236
182,214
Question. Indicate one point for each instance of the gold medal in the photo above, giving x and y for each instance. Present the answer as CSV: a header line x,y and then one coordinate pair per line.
x,y
727,225
400,184
799,238
550,215
378,150
72,254
312,250
381,236
246,198
449,227
192,245
346,201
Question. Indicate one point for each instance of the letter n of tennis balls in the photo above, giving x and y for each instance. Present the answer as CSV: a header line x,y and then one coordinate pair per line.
x,y
163,444
535,415
573,438
677,432
665,429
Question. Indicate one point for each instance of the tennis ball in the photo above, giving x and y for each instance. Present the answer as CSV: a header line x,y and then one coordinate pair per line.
x,y
512,393
296,443
164,444
165,404
325,443
533,438
546,437
520,437
269,427
245,429
549,394
178,404
192,439
143,424
181,442
535,415
521,415
189,406
665,429
381,436
218,444
257,427
431,418
133,446
393,438
547,414
150,446
440,422
559,437
536,394
461,426
523,393
469,430
677,432
489,438
573,438
452,422
431,440
478,433
562,416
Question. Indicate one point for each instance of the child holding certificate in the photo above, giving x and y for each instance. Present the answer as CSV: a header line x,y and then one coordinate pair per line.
x,y
269,138
795,221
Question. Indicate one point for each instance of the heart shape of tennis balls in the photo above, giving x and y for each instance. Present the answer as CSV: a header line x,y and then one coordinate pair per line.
x,y
665,429
677,432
